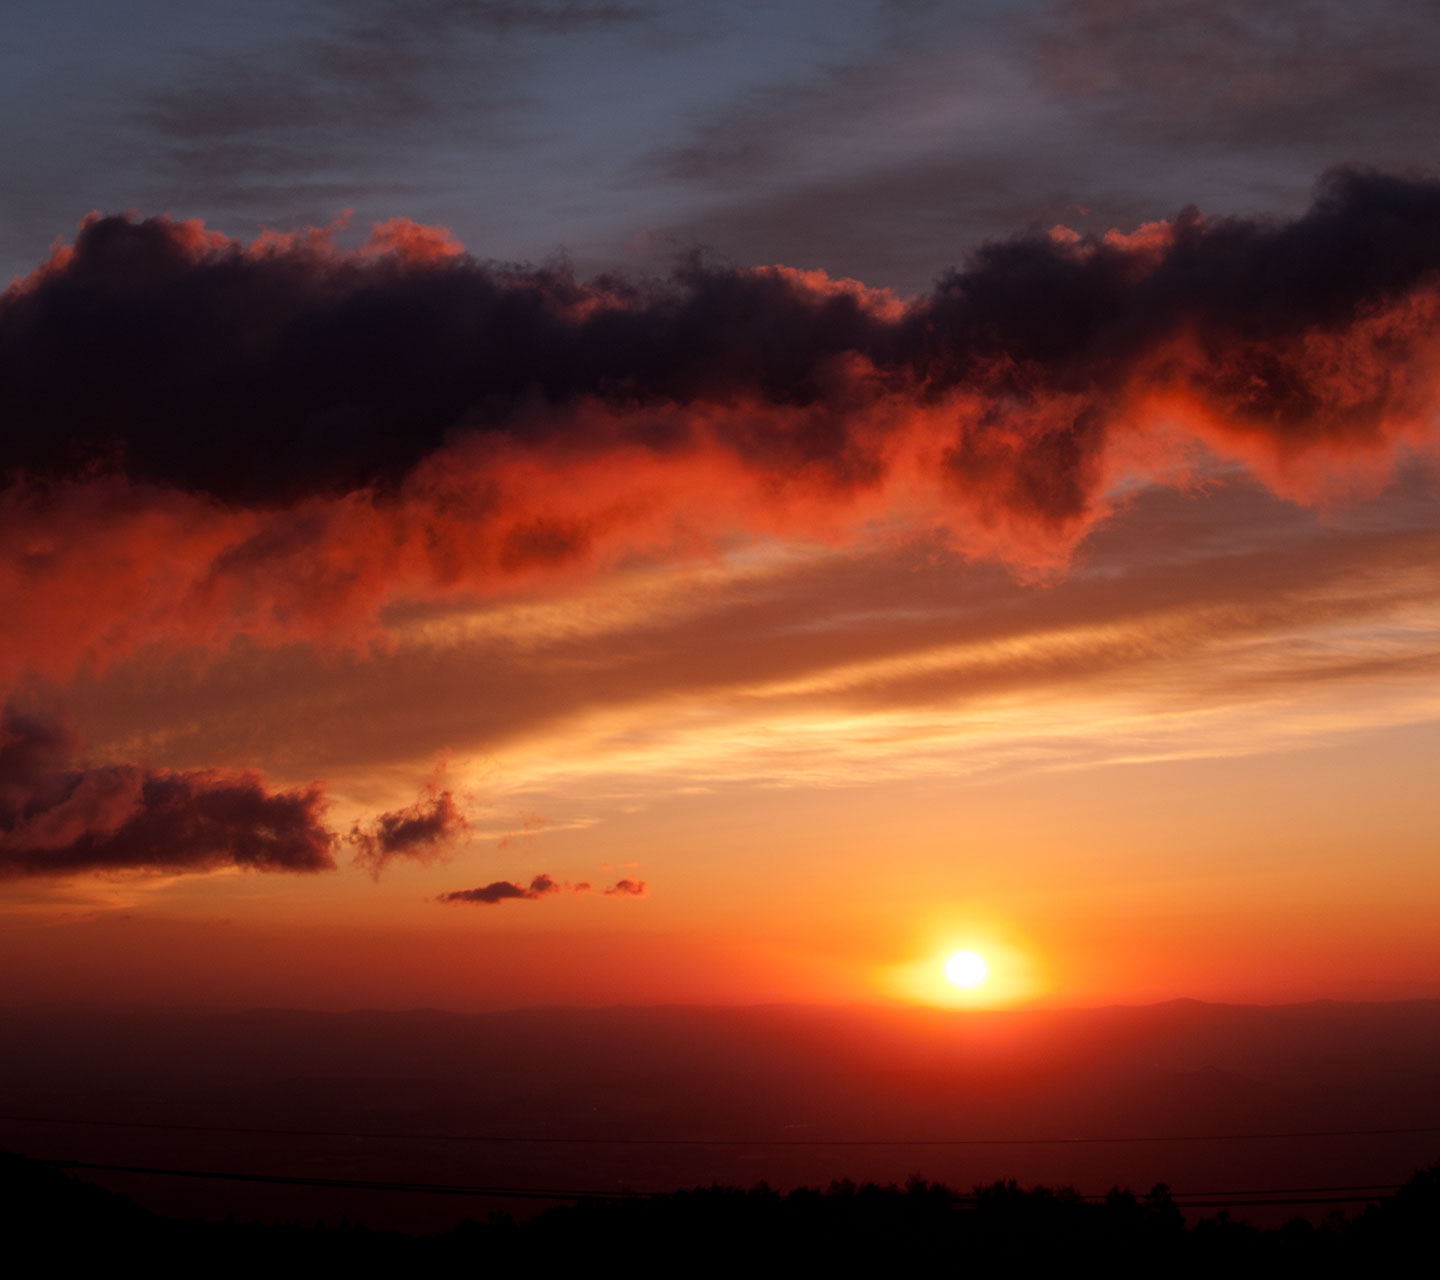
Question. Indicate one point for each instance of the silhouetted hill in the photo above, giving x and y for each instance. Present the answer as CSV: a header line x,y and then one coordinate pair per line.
x,y
922,1228
42,1204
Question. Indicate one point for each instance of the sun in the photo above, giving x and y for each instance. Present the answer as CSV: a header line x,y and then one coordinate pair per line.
x,y
966,965
966,968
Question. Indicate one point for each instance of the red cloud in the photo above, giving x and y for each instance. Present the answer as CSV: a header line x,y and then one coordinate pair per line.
x,y
206,440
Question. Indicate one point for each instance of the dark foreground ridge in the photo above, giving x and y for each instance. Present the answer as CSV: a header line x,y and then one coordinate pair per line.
x,y
847,1229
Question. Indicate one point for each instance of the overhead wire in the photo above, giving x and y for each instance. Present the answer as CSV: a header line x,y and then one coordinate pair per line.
x,y
598,1140
1249,1196
1254,1197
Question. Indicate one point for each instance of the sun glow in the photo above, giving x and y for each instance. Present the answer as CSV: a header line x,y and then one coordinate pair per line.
x,y
966,968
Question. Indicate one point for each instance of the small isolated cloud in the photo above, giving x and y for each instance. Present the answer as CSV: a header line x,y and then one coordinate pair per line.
x,y
627,887
425,831
503,891
582,887
61,818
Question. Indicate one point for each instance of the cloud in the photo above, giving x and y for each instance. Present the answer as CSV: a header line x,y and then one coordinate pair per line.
x,y
542,885
971,121
1308,73
319,372
344,99
424,831
503,891
277,440
60,819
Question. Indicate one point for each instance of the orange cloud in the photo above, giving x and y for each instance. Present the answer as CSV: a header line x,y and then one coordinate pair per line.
x,y
278,441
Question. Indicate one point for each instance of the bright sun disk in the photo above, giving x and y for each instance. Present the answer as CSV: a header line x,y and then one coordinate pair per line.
x,y
966,968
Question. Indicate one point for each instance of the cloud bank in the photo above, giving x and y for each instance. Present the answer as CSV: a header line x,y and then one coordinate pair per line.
x,y
211,439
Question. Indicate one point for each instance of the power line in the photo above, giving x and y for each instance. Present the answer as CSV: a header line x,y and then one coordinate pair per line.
x,y
549,1139
1187,1200
1238,1204
1290,1191
355,1184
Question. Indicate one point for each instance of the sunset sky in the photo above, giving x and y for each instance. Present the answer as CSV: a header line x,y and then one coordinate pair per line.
x,y
513,503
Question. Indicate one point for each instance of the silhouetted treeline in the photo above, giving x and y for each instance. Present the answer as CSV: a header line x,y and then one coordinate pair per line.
x,y
923,1228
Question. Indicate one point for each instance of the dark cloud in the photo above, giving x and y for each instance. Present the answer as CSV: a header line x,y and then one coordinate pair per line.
x,y
300,433
542,885
313,371
425,830
502,891
57,818
320,373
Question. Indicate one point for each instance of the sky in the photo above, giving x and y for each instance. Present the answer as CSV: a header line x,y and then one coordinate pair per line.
x,y
516,503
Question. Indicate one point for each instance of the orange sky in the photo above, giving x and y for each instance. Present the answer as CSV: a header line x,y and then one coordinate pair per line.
x,y
1198,765
1152,719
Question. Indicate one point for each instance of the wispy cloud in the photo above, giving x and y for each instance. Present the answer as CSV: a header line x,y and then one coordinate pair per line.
x,y
346,92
